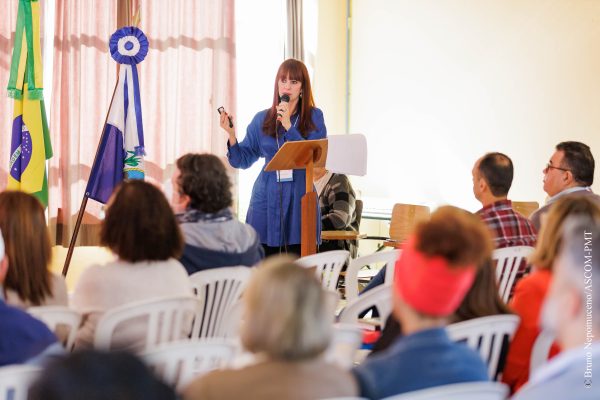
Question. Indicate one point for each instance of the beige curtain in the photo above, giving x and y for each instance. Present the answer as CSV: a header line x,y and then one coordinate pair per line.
x,y
294,45
187,74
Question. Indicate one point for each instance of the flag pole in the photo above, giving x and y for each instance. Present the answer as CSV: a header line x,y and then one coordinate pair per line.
x,y
85,195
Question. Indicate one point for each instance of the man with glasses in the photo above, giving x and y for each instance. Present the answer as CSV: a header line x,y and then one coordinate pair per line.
x,y
570,170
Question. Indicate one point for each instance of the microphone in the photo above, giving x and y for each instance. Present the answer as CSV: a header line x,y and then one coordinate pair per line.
x,y
284,99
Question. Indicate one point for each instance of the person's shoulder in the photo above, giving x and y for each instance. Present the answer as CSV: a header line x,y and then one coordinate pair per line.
x,y
15,319
259,117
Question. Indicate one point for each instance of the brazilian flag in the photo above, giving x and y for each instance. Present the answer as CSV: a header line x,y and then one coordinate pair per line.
x,y
30,145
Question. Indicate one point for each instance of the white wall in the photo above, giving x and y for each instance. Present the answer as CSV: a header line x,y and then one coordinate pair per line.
x,y
437,83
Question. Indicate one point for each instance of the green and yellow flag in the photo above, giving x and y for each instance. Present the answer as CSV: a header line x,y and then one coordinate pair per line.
x,y
30,145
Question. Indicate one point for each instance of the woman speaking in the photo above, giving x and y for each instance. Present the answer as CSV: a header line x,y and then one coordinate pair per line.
x,y
275,205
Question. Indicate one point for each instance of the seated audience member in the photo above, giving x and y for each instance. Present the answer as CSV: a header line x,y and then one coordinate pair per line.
x,y
531,290
481,300
338,208
570,170
141,230
288,326
23,339
435,271
28,281
492,179
94,375
202,200
566,312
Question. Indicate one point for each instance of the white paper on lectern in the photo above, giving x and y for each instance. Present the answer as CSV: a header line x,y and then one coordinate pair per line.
x,y
347,154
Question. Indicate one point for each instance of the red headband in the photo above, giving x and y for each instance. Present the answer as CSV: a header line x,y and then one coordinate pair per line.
x,y
429,284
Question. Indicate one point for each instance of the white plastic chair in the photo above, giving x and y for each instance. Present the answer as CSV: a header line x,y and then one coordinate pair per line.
x,y
508,260
380,257
178,363
379,297
328,266
57,318
345,341
458,391
218,289
540,351
486,336
15,381
167,319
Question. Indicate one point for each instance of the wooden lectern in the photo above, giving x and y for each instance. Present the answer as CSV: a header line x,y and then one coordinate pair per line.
x,y
304,154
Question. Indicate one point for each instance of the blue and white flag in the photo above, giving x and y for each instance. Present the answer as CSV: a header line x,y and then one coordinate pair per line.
x,y
121,151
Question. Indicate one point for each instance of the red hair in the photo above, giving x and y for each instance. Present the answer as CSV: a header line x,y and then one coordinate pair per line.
x,y
295,70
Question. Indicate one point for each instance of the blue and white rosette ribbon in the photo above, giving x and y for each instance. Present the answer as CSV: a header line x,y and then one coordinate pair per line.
x,y
129,47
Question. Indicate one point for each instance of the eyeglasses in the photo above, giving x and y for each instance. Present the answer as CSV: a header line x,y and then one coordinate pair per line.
x,y
549,166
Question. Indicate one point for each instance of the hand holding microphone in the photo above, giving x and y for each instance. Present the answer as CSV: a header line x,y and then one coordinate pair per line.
x,y
283,112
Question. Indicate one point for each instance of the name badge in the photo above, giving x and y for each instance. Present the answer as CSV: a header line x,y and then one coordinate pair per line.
x,y
286,175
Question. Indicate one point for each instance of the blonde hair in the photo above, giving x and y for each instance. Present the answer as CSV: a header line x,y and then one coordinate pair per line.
x,y
286,316
550,237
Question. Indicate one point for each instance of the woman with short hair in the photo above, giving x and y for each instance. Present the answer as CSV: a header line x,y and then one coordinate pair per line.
x,y
141,230
288,326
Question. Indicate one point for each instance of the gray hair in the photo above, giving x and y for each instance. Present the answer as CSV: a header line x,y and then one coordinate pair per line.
x,y
286,315
581,237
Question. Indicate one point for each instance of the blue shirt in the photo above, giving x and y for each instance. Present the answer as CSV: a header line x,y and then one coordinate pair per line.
x,y
419,361
22,337
265,206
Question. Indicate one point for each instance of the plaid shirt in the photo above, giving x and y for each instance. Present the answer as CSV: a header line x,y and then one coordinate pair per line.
x,y
509,229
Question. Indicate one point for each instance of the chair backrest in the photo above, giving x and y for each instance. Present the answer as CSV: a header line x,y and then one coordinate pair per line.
x,y
404,218
217,289
328,266
540,351
380,297
178,363
63,321
345,341
508,260
525,208
166,319
458,391
15,381
379,257
486,335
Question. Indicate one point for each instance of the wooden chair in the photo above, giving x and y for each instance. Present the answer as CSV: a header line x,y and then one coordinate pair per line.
x,y
486,335
525,208
404,219
218,290
16,379
458,391
61,320
167,319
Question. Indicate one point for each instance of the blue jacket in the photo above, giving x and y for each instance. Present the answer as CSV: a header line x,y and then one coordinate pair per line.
x,y
264,210
22,337
419,361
